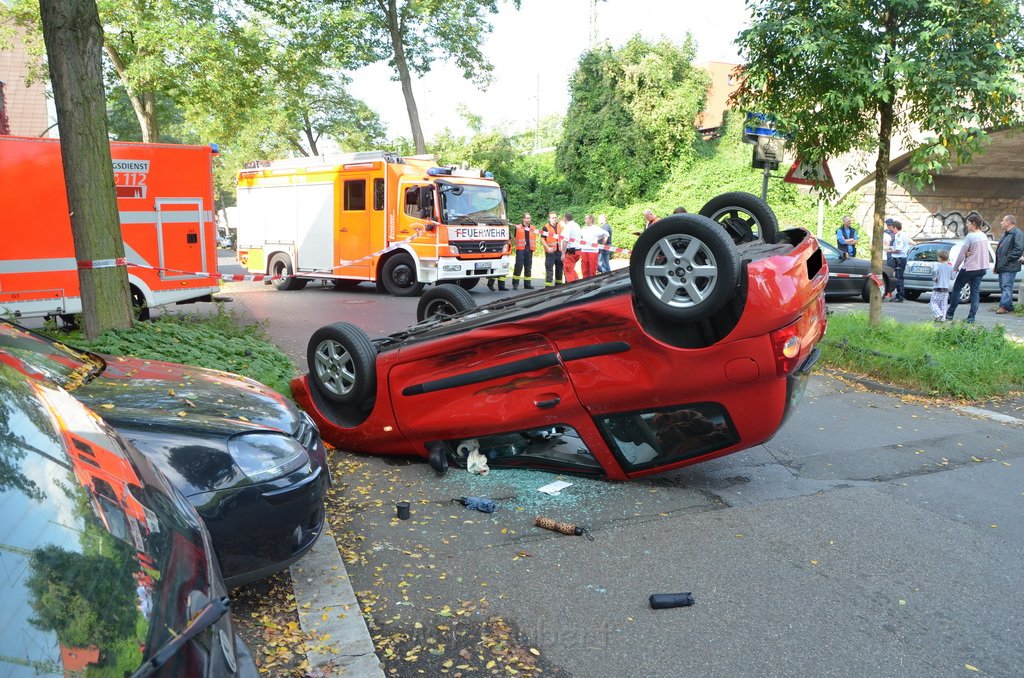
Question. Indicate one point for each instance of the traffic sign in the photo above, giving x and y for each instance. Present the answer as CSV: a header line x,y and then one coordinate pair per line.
x,y
810,175
759,125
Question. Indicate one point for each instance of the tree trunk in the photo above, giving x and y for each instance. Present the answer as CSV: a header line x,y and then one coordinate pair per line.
x,y
395,29
74,38
144,105
885,115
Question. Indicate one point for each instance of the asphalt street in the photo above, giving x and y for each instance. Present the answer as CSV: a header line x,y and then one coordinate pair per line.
x,y
875,534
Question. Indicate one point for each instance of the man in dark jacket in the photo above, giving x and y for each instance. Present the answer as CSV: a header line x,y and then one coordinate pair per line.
x,y
1008,255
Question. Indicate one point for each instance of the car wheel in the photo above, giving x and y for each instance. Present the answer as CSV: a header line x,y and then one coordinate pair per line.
x,y
469,283
965,294
342,363
280,265
913,295
139,307
684,267
744,216
444,300
865,293
399,276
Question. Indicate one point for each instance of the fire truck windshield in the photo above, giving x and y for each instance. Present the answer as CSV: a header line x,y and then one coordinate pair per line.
x,y
462,203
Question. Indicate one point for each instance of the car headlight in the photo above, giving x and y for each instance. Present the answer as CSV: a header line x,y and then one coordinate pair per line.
x,y
263,456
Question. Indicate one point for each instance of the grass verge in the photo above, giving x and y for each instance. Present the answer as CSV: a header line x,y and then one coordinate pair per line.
x,y
949,359
221,342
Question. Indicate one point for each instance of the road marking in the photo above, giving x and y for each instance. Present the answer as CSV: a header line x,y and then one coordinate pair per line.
x,y
994,416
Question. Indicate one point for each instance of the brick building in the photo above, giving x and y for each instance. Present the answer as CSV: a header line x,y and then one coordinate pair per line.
x,y
25,106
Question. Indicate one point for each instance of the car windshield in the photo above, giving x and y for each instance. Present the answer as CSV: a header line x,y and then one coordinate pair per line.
x,y
67,367
98,552
469,204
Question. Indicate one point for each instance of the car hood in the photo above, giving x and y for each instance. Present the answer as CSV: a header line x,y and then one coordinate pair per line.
x,y
132,390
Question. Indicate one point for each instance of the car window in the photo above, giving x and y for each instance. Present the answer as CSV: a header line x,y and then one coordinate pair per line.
x,y
60,364
642,440
558,446
929,252
830,251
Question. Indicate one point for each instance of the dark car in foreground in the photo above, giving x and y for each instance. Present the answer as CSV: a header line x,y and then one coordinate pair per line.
x,y
921,261
850,276
107,570
699,349
252,465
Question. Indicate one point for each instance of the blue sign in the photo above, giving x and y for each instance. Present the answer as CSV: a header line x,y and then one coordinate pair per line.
x,y
759,125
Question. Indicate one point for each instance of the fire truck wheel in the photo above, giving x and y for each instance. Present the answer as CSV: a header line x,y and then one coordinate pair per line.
x,y
684,268
342,365
280,265
444,300
469,283
399,276
745,217
139,307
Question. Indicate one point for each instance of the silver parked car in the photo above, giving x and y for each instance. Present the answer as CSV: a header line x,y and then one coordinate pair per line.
x,y
921,261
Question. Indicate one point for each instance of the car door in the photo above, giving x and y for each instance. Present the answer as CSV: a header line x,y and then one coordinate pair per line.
x,y
500,392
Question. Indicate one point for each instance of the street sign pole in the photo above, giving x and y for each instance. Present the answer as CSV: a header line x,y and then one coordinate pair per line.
x,y
764,182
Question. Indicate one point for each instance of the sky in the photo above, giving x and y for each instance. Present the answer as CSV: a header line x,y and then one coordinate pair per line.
x,y
536,50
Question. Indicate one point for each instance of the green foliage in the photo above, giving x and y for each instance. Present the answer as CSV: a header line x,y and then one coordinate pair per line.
x,y
631,116
220,342
827,71
954,360
85,599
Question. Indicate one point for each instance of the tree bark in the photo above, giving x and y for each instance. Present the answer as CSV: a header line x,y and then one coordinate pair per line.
x,y
144,105
396,31
74,38
885,115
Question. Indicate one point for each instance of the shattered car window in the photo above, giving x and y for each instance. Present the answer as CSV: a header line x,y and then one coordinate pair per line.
x,y
652,438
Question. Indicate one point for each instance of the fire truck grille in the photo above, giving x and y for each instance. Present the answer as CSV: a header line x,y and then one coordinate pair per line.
x,y
479,247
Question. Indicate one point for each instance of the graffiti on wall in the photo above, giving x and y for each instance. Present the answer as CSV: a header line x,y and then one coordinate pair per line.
x,y
948,225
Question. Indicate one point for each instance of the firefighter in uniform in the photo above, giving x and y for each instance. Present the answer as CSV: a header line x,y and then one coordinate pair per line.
x,y
549,235
526,242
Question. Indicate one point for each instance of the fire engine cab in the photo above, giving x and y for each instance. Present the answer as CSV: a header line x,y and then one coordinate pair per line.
x,y
371,216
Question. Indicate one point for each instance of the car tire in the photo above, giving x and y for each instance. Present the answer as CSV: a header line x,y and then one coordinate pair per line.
x,y
281,265
865,294
399,276
744,216
692,241
140,309
469,283
965,294
444,300
912,295
342,364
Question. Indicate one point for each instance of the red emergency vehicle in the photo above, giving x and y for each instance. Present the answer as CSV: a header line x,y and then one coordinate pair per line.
x,y
165,204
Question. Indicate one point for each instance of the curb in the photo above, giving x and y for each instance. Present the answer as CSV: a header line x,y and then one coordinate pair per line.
x,y
328,609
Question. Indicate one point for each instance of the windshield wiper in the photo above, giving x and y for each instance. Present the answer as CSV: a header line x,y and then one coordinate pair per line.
x,y
206,618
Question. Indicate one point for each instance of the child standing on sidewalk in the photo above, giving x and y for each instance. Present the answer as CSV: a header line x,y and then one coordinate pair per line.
x,y
942,280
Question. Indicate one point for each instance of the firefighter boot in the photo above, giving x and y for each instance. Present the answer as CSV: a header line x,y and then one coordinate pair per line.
x,y
528,285
490,284
501,285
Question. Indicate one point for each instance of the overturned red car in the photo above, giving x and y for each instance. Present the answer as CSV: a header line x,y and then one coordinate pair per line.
x,y
700,348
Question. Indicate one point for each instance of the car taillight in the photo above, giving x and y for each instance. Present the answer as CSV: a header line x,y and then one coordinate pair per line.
x,y
786,346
